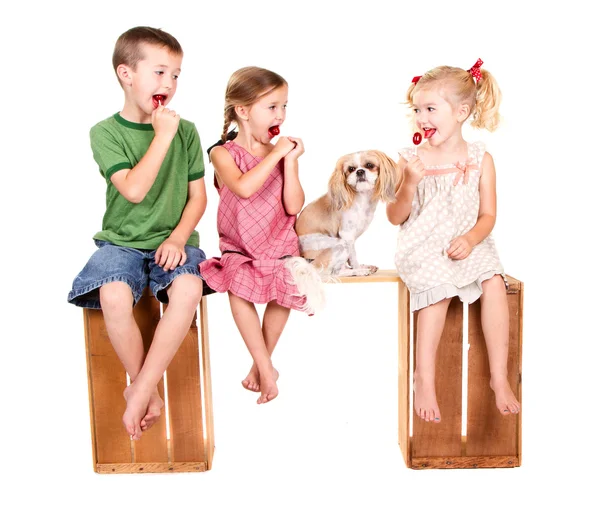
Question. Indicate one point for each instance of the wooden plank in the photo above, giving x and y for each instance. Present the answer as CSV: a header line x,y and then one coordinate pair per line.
x,y
107,381
145,468
152,447
444,438
185,406
207,384
490,433
500,461
381,275
404,371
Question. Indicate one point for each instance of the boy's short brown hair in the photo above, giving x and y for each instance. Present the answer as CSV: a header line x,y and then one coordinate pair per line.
x,y
128,50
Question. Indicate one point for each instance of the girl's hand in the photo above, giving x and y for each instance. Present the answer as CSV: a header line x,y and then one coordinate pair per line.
x,y
284,146
165,122
298,148
170,254
414,171
459,248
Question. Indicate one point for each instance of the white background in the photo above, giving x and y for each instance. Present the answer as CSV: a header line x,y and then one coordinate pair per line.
x,y
323,455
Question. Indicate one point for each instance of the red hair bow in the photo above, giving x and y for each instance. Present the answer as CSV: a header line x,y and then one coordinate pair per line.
x,y
475,71
415,79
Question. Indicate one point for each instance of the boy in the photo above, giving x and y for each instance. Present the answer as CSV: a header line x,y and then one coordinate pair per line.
x,y
153,166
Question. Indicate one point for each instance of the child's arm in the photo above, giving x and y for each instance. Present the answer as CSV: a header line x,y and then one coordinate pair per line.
x,y
410,173
171,253
246,184
293,194
462,246
133,184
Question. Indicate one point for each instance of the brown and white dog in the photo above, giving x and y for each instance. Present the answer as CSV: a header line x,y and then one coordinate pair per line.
x,y
328,227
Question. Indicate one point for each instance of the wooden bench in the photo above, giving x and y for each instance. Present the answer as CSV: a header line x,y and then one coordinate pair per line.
x,y
491,440
187,443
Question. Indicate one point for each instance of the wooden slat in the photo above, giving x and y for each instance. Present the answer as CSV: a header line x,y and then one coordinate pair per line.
x,y
403,370
444,438
490,433
500,461
207,385
152,447
185,406
382,275
145,468
107,381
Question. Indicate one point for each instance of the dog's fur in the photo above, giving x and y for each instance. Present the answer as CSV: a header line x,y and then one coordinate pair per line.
x,y
329,226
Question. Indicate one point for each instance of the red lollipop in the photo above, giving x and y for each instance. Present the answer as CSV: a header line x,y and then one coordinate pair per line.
x,y
159,99
273,131
417,139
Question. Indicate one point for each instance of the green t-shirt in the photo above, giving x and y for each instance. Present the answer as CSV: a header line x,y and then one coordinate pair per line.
x,y
118,144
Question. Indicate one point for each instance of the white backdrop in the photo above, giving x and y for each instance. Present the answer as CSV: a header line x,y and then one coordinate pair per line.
x,y
323,455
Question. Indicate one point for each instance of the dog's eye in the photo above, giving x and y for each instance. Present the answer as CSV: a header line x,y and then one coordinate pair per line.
x,y
351,168
370,165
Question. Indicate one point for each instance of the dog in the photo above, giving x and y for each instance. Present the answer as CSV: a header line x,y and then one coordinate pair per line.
x,y
328,227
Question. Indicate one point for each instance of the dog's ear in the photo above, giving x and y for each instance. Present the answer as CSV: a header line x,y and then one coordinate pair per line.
x,y
385,189
339,192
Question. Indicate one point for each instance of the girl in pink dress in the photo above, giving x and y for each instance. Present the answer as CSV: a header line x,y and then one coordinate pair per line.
x,y
260,195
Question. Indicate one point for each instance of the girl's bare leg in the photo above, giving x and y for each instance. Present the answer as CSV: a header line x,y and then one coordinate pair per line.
x,y
274,320
430,321
494,323
248,323
184,295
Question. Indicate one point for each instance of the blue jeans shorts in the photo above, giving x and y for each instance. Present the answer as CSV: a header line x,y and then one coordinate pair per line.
x,y
135,267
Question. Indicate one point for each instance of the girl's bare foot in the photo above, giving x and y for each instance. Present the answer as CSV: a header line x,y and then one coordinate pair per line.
x,y
153,413
268,387
252,381
426,405
506,402
137,405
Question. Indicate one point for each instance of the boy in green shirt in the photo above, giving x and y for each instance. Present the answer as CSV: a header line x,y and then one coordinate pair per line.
x,y
153,166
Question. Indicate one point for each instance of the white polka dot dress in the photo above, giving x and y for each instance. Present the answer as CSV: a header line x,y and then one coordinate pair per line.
x,y
441,212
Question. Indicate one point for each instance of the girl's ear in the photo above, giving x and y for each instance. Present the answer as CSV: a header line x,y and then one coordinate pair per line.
x,y
124,74
241,111
464,111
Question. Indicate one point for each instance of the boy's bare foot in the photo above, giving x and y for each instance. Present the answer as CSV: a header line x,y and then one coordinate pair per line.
x,y
252,381
506,401
426,405
137,405
153,412
268,387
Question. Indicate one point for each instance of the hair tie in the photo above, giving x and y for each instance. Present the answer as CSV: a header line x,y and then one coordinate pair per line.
x,y
475,71
230,136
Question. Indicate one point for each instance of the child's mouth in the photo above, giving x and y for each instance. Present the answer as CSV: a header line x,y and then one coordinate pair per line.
x,y
158,99
273,131
429,132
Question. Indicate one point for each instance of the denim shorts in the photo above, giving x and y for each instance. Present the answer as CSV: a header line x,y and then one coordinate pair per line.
x,y
134,267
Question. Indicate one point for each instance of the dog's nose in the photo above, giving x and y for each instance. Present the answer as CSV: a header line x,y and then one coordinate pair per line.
x,y
360,173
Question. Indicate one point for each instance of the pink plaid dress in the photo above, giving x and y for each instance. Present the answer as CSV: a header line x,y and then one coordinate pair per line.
x,y
255,234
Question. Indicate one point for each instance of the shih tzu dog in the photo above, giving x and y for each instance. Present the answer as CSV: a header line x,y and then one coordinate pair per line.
x,y
328,227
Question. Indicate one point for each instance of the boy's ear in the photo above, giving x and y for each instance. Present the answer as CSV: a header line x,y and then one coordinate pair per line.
x,y
241,111
124,74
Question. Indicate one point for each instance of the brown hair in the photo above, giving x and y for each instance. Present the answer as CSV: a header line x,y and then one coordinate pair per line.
x,y
129,52
458,86
245,87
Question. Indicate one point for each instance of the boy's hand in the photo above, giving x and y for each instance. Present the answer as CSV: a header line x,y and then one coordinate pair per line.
x,y
284,146
165,122
170,254
297,150
414,171
459,248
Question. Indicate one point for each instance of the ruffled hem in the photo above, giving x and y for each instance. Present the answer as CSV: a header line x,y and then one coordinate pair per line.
x,y
469,293
256,281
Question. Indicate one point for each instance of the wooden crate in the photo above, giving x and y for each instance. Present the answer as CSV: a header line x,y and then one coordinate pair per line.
x,y
189,445
491,440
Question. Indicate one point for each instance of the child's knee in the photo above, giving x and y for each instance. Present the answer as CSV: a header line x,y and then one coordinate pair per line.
x,y
186,289
116,298
494,284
